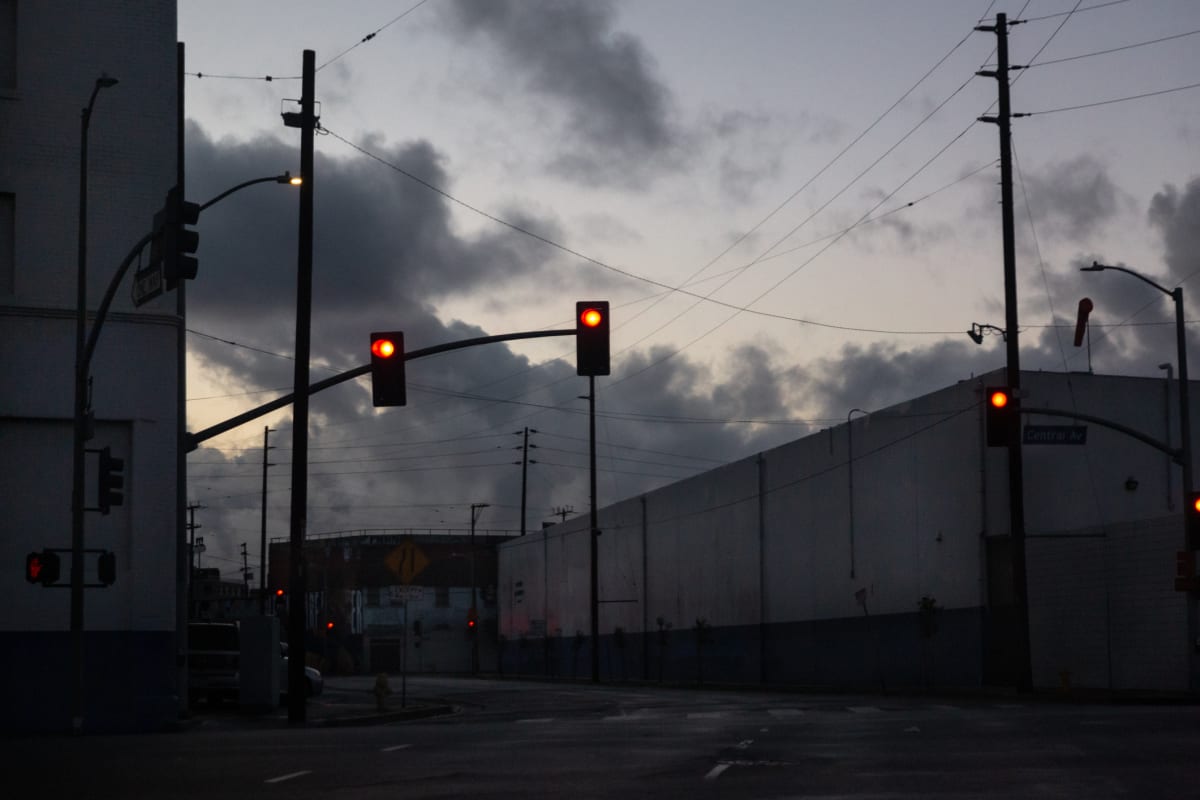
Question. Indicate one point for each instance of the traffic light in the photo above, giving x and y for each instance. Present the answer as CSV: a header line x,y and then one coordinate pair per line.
x,y
111,481
173,242
1000,412
387,369
472,621
107,568
591,338
42,568
1193,521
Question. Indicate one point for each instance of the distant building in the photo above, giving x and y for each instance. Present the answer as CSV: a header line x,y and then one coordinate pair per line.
x,y
877,554
216,600
380,602
51,55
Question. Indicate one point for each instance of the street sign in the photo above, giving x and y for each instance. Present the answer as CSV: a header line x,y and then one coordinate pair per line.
x,y
147,284
407,561
411,594
1055,434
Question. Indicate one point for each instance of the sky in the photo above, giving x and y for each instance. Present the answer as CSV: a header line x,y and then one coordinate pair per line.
x,y
791,206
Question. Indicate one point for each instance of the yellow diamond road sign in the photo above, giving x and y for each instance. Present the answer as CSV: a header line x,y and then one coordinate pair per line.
x,y
407,561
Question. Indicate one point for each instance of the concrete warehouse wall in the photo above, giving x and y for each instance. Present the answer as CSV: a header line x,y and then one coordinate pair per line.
x,y
765,570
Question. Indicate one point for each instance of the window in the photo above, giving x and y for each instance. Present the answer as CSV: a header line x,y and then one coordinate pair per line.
x,y
8,44
8,207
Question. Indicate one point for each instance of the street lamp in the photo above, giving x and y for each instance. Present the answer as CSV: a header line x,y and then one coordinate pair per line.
x,y
1190,541
1185,425
286,178
79,413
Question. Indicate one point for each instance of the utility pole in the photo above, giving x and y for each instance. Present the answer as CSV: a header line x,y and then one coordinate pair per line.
x,y
192,508
306,120
562,511
525,462
245,573
595,532
1016,481
474,592
262,547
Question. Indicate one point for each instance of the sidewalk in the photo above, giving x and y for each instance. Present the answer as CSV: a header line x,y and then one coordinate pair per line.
x,y
345,700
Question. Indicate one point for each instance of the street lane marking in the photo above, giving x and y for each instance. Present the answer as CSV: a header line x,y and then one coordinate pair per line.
x,y
537,719
288,777
785,712
715,772
395,747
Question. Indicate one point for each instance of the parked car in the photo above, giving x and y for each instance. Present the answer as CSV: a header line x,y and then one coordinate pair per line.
x,y
313,681
214,651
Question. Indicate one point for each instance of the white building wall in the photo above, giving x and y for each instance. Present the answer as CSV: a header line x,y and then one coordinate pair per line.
x,y
772,569
61,48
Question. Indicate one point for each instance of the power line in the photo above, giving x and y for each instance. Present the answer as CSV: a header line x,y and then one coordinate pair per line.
x,y
1114,100
1111,50
373,34
1075,10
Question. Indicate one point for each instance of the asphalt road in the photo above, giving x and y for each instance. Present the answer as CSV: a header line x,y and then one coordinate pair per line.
x,y
518,739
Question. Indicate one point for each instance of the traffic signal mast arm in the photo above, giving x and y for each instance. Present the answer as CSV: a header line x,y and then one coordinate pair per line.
x,y
1175,453
194,439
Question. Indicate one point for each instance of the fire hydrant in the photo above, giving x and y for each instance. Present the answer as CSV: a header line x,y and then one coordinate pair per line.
x,y
381,691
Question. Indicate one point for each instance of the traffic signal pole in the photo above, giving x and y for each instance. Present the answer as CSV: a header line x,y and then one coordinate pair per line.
x,y
299,510
1016,480
594,603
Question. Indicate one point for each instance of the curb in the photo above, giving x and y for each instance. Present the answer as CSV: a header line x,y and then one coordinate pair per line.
x,y
385,717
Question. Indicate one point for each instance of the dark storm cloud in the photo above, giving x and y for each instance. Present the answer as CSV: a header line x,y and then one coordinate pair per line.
x,y
1177,218
618,112
1072,199
883,374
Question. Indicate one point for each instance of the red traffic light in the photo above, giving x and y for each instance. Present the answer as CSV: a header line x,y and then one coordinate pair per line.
x,y
42,568
388,387
591,337
383,348
591,317
279,592
998,398
470,623
329,625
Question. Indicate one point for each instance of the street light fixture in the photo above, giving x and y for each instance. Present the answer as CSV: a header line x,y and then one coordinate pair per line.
x,y
1185,426
1191,541
79,413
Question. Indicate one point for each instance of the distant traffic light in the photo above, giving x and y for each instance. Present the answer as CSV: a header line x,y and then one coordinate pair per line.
x,y
107,568
591,338
112,481
173,243
1000,413
387,369
472,620
42,568
1193,521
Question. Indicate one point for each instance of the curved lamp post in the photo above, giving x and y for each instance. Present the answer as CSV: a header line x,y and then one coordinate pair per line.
x,y
80,435
1185,427
85,346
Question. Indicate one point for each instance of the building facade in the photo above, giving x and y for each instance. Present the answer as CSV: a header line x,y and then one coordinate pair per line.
x,y
386,602
877,554
51,55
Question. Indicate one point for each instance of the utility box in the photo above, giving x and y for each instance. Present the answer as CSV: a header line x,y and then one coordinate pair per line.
x,y
261,662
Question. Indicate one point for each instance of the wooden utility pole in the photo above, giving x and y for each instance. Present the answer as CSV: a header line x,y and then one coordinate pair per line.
x,y
306,121
1016,481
